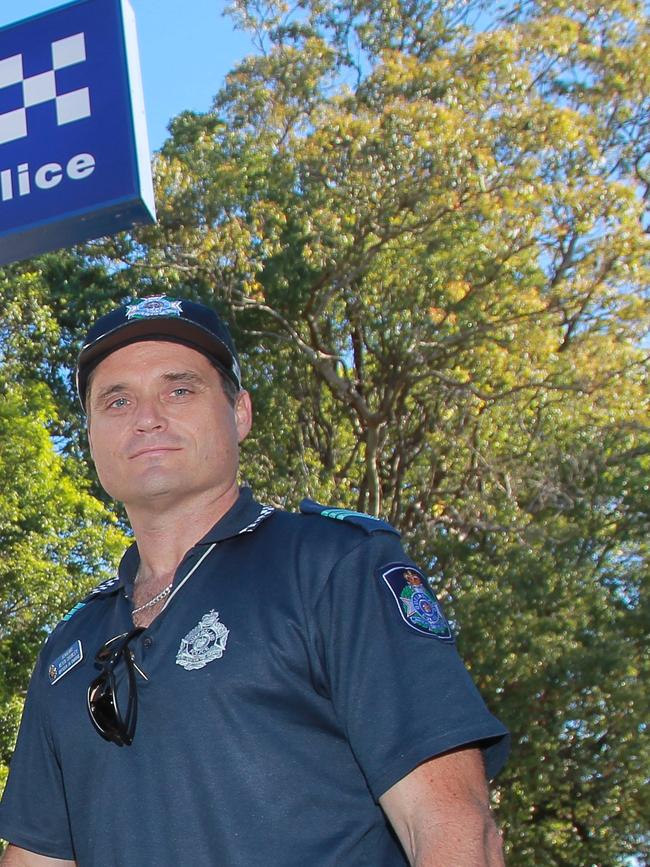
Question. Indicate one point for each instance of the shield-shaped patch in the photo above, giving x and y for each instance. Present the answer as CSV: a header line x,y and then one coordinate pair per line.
x,y
416,603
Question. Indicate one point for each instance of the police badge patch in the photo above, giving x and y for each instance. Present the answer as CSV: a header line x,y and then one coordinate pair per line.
x,y
416,603
203,644
154,305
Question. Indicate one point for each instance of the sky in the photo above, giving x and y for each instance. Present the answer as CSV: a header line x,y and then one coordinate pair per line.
x,y
186,49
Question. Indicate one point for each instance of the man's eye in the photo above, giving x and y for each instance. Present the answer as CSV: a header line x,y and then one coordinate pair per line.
x,y
118,403
181,391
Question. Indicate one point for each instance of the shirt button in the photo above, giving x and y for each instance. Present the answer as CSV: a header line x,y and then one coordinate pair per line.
x,y
148,642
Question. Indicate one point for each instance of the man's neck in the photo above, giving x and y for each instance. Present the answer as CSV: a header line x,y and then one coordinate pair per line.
x,y
166,534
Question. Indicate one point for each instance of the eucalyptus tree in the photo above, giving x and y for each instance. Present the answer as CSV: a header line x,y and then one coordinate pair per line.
x,y
428,222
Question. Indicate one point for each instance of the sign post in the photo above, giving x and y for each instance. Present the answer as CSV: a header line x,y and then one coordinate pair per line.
x,y
74,155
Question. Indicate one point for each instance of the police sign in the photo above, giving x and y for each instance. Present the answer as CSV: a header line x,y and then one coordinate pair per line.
x,y
74,157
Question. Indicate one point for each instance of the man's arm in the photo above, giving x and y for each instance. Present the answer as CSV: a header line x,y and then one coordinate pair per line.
x,y
441,813
15,857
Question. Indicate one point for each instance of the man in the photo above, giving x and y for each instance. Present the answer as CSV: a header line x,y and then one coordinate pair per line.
x,y
244,692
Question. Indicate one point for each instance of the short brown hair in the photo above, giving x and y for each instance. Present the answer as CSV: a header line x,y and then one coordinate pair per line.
x,y
229,388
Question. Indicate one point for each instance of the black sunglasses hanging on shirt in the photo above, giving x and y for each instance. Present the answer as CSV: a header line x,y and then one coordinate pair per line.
x,y
115,724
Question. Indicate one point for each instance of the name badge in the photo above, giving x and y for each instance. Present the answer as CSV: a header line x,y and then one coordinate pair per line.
x,y
67,661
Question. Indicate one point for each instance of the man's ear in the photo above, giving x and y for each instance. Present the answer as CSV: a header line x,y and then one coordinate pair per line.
x,y
243,414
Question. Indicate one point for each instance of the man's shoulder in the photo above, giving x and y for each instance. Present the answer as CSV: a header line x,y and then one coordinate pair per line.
x,y
83,610
78,625
106,588
328,528
309,544
357,521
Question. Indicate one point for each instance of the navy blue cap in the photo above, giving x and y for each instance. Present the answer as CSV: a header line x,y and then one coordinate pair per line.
x,y
158,317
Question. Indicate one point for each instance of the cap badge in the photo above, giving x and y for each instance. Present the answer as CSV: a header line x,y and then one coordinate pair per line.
x,y
203,644
154,305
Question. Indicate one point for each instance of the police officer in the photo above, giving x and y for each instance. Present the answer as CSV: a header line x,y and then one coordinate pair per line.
x,y
255,687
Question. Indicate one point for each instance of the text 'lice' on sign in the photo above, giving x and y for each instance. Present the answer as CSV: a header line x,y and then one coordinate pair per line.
x,y
74,155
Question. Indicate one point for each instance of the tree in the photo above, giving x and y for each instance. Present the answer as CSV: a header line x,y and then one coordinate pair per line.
x,y
57,543
428,221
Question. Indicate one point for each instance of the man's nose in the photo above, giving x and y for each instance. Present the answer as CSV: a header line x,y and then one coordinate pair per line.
x,y
149,416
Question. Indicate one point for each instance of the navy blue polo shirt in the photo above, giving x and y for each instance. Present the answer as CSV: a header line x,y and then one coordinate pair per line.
x,y
300,671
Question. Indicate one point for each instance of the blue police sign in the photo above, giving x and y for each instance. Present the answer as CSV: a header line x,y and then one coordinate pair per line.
x,y
74,157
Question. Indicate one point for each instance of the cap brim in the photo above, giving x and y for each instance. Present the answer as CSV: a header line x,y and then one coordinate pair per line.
x,y
159,328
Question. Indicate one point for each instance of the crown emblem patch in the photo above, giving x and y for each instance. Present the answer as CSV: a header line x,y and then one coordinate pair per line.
x,y
416,603
203,644
152,306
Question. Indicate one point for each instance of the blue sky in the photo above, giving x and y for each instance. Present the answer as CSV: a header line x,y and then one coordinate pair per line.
x,y
186,49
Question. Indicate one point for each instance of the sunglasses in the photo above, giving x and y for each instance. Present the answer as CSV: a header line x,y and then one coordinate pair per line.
x,y
102,699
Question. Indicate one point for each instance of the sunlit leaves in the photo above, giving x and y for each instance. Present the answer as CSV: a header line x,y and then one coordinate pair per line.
x,y
56,540
428,225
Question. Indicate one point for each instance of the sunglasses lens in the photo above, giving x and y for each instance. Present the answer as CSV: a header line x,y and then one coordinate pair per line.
x,y
102,702
101,706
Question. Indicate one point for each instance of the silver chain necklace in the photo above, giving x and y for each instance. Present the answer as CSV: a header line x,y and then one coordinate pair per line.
x,y
157,598
168,589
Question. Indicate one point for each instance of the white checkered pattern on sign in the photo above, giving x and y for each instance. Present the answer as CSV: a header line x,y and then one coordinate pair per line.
x,y
68,51
37,89
11,70
13,125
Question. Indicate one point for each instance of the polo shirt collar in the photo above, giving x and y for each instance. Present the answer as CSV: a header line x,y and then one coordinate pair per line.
x,y
244,516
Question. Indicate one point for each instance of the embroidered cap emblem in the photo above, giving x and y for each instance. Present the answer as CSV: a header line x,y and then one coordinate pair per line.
x,y
417,604
154,305
203,644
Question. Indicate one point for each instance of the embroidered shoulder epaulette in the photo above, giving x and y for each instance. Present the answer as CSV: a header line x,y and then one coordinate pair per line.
x,y
367,522
103,589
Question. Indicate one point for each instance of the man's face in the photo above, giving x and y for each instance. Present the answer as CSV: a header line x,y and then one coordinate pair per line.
x,y
160,427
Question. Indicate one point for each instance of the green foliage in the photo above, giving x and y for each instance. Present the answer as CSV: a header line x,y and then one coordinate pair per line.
x,y
428,223
57,542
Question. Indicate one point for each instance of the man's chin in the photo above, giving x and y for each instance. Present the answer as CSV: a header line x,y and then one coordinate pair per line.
x,y
150,492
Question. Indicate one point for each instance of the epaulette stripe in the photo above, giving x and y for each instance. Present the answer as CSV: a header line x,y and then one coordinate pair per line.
x,y
370,523
342,514
74,610
98,591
